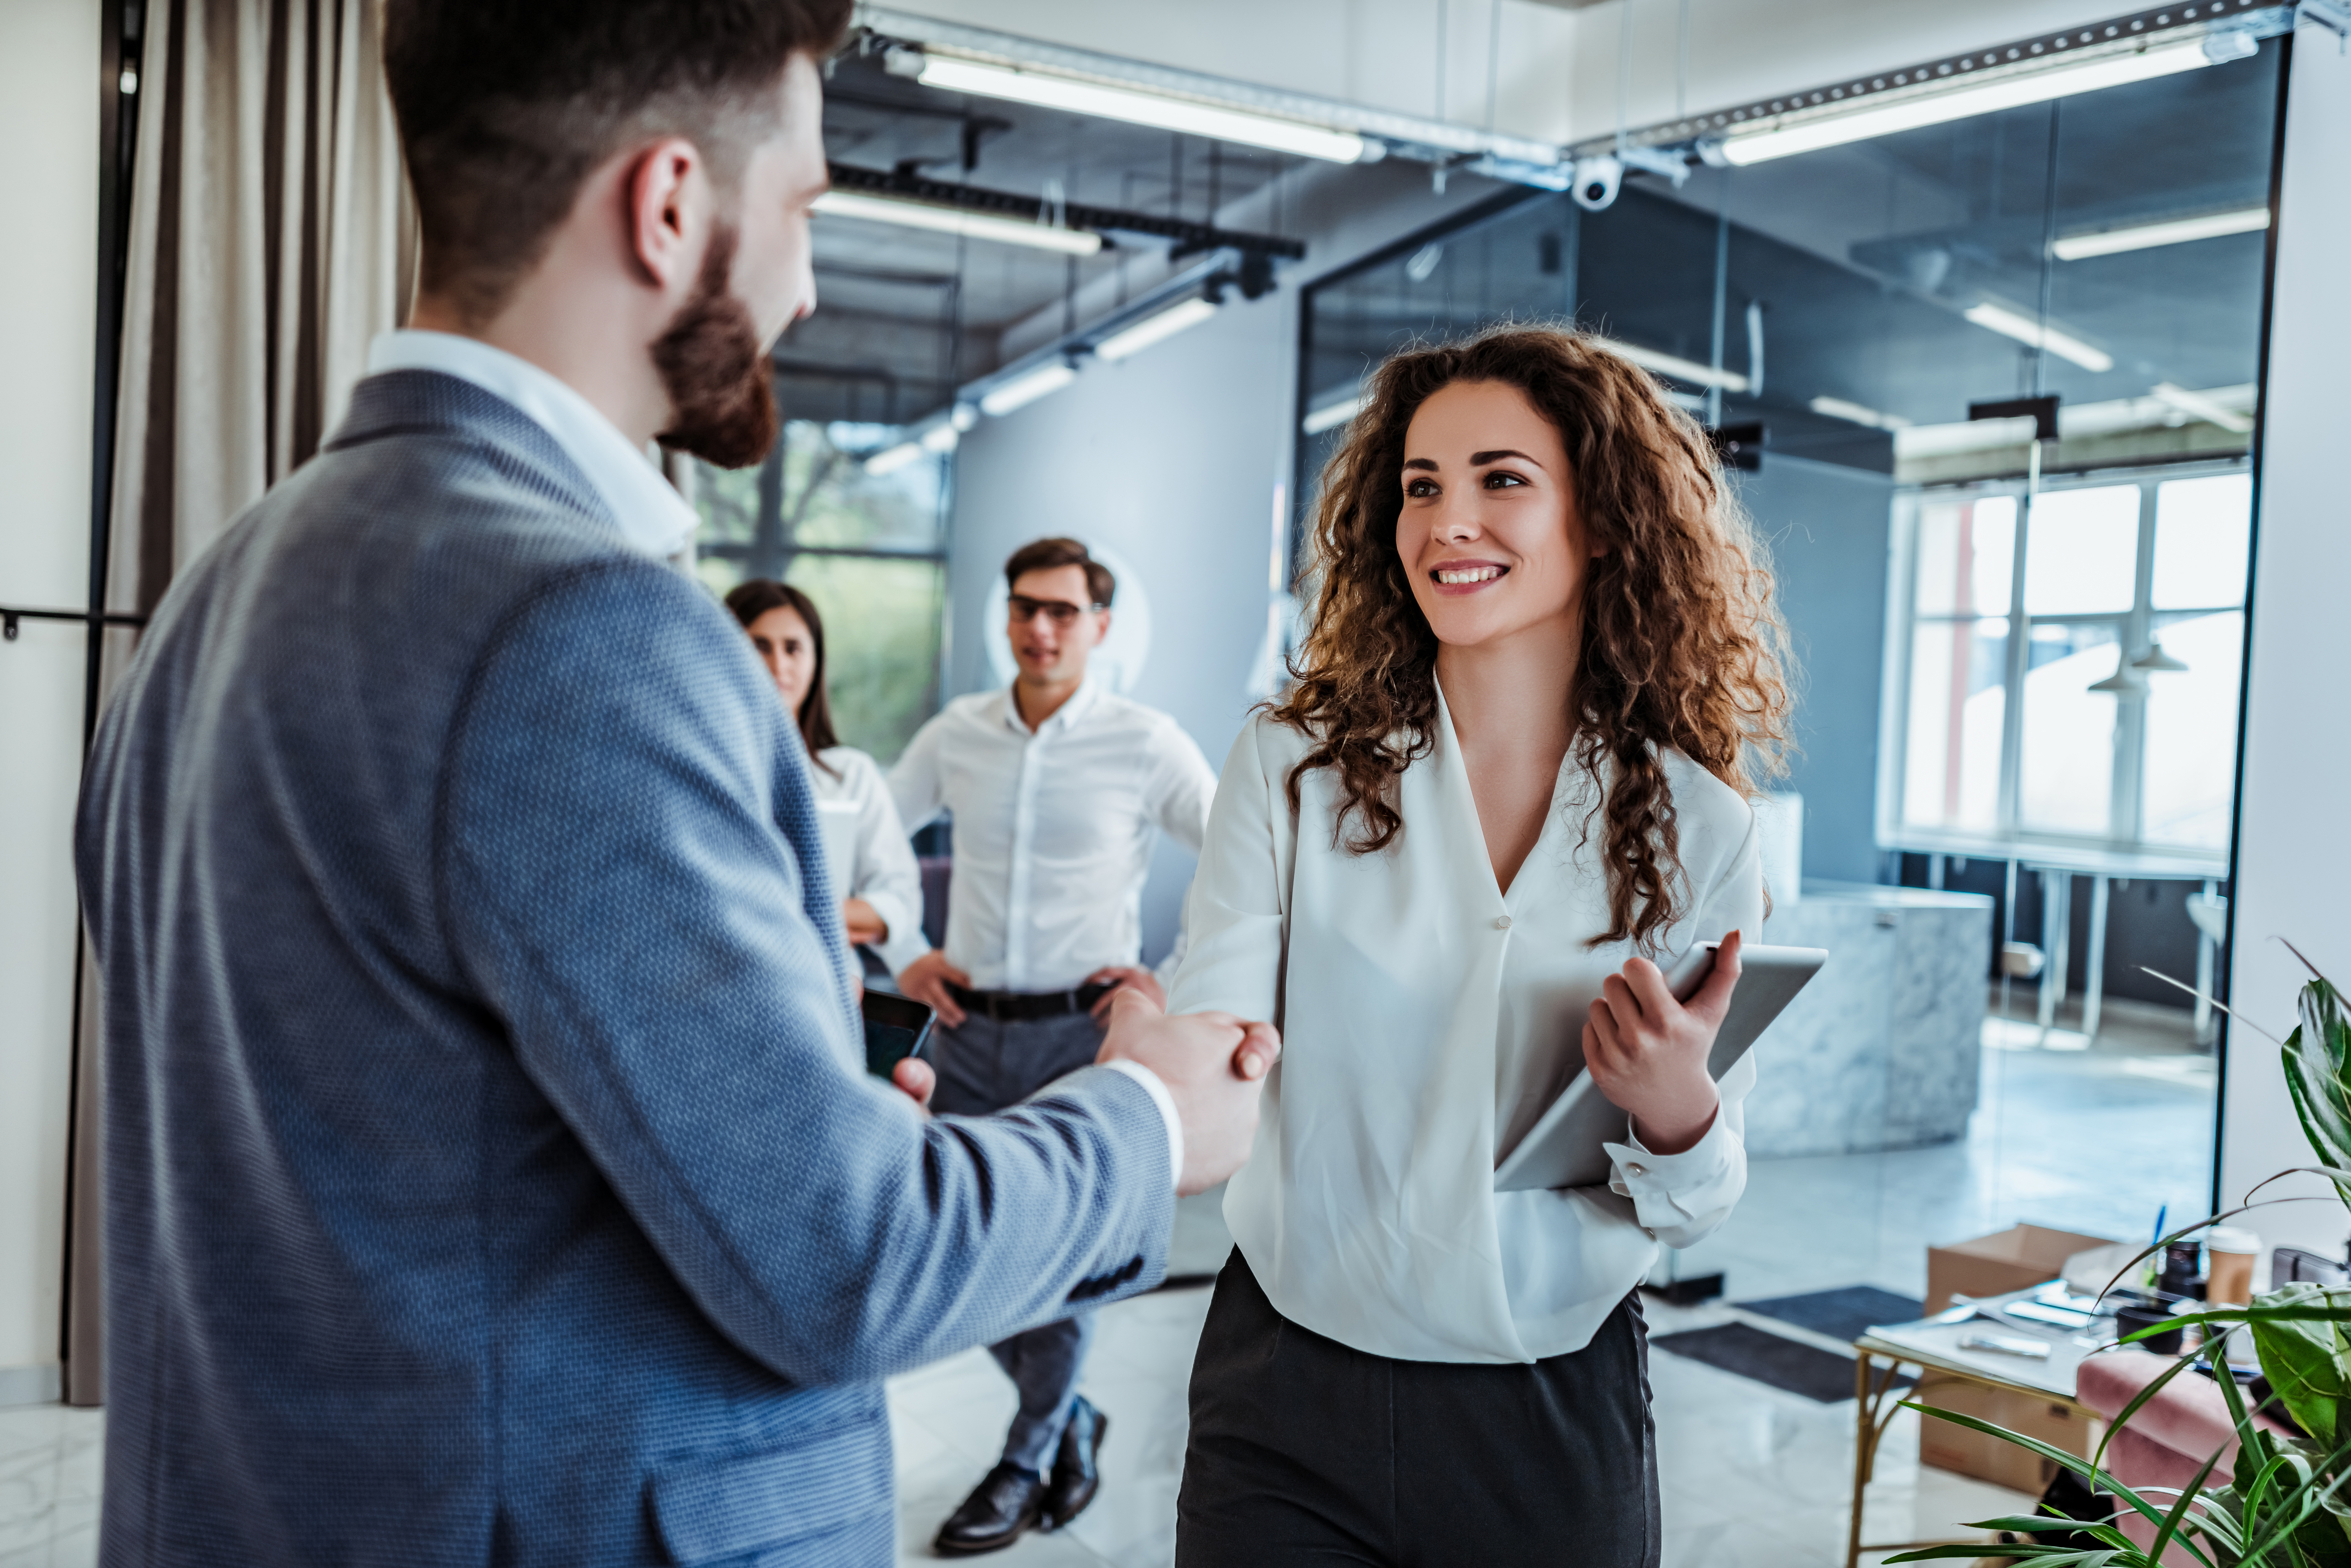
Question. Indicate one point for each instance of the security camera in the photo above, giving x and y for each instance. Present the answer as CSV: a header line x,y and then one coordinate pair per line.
x,y
1596,182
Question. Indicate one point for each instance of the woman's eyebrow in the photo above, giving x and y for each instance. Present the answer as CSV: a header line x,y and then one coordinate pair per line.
x,y
1480,459
1421,463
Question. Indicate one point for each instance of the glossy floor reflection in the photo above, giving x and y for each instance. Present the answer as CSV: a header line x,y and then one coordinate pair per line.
x,y
1750,1477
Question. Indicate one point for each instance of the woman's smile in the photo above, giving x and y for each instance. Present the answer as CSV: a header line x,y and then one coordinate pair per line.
x,y
1456,578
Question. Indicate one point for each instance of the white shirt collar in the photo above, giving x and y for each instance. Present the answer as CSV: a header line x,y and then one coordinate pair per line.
x,y
652,515
1068,714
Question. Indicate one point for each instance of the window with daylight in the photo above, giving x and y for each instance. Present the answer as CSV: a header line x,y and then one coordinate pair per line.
x,y
868,547
2071,663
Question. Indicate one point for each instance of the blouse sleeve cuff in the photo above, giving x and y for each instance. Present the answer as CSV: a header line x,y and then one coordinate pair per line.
x,y
1646,1177
1167,1103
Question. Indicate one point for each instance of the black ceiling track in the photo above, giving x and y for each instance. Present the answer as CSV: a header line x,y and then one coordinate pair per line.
x,y
1187,238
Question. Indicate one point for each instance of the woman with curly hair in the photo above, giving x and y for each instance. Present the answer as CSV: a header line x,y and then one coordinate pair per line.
x,y
1510,781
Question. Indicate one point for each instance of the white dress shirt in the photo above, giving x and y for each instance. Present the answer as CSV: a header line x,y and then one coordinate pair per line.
x,y
1427,1019
652,516
1052,828
871,856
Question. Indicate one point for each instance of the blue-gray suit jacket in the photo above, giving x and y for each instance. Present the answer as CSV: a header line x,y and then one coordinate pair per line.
x,y
492,1175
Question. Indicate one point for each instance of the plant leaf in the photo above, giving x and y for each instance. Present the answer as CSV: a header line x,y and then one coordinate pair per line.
x,y
2098,1478
2304,1357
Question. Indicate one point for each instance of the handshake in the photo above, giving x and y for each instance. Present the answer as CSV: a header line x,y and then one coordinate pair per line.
x,y
1213,1064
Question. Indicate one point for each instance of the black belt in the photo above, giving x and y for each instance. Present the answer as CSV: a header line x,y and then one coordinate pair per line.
x,y
1026,1007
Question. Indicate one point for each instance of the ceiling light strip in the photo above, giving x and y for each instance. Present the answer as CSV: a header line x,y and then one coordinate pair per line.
x,y
1400,133
1027,388
1136,106
1155,328
2166,24
2204,407
1938,104
1680,370
2172,231
2036,335
958,221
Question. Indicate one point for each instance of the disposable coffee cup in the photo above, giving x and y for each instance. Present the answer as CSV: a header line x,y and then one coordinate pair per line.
x,y
2229,1252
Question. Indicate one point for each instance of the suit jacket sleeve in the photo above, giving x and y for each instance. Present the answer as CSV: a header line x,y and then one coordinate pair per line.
x,y
618,880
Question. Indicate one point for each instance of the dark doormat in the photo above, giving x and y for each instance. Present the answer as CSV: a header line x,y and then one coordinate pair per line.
x,y
1840,1315
1751,1352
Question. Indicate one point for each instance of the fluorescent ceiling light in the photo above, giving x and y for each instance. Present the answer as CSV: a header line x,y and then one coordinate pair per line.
x,y
1186,115
1964,436
1154,329
956,221
1884,118
1681,369
2081,420
2204,407
2176,230
1023,389
941,439
2026,330
894,458
1330,415
1859,413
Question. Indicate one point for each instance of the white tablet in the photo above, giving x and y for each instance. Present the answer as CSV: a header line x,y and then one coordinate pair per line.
x,y
1563,1149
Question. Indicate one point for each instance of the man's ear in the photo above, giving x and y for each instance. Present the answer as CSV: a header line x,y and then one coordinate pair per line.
x,y
1101,628
667,190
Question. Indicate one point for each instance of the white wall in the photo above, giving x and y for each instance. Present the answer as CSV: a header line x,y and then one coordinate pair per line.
x,y
48,117
2294,856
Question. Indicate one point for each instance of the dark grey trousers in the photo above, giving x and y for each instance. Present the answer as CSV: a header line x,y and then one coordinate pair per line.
x,y
985,1066
1306,1452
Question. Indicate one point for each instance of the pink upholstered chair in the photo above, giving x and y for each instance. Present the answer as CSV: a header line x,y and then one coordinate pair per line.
x,y
2168,1439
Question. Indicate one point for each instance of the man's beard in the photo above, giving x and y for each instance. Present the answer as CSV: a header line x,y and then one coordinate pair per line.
x,y
721,393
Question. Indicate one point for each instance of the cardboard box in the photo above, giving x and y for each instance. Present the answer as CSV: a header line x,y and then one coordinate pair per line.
x,y
2006,1261
1948,1446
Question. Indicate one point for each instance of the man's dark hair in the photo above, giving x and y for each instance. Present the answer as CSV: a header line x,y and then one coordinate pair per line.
x,y
1044,555
504,106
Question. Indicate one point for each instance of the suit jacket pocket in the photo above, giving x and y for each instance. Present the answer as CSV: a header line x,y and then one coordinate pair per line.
x,y
711,1509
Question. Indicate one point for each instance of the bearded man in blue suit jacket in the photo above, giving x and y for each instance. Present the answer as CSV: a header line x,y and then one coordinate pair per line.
x,y
492,1176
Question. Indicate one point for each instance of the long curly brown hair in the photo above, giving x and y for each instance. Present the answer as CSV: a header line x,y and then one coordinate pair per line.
x,y
1682,646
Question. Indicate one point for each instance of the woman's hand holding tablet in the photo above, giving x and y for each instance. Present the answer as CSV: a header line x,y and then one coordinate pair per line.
x,y
1647,1053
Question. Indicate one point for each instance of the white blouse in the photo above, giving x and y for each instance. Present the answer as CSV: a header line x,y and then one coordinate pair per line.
x,y
1427,1020
869,850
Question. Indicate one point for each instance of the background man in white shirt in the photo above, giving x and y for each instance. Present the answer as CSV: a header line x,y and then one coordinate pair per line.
x,y
1056,787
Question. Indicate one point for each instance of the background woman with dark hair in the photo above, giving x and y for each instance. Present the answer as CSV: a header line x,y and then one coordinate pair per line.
x,y
1510,781
873,864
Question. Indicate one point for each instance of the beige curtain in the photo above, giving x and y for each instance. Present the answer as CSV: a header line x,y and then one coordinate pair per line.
x,y
270,237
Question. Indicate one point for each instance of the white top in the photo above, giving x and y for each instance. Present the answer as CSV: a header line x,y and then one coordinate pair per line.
x,y
651,514
871,856
1427,1020
1052,828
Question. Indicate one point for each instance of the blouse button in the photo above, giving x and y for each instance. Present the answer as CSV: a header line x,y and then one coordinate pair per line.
x,y
1637,1170
1501,923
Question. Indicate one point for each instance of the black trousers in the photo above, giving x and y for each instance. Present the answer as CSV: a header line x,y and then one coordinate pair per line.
x,y
1306,1452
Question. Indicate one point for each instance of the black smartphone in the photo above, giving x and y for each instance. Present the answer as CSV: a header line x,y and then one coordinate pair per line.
x,y
896,1027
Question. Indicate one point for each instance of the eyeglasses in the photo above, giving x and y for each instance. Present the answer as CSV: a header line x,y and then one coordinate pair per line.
x,y
1060,611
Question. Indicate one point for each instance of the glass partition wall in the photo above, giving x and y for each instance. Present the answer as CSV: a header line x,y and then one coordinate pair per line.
x,y
2019,657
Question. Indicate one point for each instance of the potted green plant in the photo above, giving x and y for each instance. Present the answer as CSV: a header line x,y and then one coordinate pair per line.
x,y
2288,1504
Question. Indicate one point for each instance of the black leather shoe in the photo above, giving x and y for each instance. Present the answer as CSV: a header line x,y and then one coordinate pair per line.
x,y
992,1518
1076,1474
